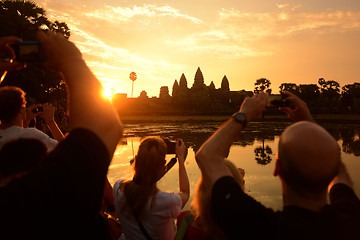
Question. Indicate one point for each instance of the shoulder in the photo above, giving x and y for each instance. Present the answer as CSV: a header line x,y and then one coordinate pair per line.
x,y
168,197
342,192
344,201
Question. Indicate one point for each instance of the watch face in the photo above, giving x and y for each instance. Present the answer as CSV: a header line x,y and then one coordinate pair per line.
x,y
240,117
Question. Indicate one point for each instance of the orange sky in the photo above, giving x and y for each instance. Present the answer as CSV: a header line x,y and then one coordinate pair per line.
x,y
283,41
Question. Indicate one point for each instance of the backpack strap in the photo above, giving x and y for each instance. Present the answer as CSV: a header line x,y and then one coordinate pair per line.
x,y
185,222
141,226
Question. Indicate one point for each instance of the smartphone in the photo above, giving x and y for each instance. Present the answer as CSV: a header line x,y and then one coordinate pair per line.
x,y
28,51
170,145
277,100
38,109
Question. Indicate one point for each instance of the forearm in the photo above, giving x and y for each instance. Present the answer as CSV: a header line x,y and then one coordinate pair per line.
x,y
184,184
183,178
88,109
211,155
55,130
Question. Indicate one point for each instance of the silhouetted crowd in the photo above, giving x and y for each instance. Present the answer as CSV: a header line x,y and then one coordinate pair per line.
x,y
56,188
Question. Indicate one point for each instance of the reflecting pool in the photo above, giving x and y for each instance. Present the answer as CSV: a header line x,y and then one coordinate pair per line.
x,y
254,151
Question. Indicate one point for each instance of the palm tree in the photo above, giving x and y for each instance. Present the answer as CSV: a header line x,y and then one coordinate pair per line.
x,y
262,85
263,154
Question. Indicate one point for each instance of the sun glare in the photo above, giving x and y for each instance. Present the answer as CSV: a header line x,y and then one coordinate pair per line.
x,y
108,93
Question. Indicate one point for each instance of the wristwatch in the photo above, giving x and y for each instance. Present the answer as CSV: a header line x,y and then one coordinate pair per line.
x,y
241,118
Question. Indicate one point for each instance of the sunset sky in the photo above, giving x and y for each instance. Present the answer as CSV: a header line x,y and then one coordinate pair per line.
x,y
283,41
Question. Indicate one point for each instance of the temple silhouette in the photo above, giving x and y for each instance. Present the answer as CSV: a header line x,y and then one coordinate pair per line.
x,y
196,100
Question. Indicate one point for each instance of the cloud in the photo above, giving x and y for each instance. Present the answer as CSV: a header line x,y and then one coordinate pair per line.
x,y
283,6
284,23
237,34
158,41
124,14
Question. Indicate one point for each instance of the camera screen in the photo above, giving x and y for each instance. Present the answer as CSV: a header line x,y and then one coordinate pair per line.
x,y
29,51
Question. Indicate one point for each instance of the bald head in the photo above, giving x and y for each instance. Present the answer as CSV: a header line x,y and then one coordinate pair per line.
x,y
308,156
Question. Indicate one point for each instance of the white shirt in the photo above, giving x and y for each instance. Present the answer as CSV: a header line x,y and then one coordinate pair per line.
x,y
16,132
160,222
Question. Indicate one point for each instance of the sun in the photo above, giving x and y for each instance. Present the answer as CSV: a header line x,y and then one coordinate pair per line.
x,y
108,93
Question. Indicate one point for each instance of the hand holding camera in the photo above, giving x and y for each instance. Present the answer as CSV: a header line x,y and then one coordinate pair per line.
x,y
300,111
47,113
7,54
277,101
254,106
180,150
28,51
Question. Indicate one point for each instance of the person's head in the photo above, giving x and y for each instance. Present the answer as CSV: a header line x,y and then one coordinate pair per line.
x,y
149,166
201,203
308,158
20,156
12,102
149,161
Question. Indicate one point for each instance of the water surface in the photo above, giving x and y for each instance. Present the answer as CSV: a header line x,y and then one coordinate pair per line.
x,y
254,151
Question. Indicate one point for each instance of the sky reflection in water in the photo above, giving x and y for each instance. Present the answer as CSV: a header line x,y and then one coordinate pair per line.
x,y
254,151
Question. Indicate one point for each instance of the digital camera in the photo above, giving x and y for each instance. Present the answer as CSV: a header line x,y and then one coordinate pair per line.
x,y
28,51
277,100
170,145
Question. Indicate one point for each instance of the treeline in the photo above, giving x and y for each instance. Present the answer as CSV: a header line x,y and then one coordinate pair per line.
x,y
324,97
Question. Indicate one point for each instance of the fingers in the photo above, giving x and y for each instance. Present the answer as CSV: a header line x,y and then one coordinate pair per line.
x,y
8,51
5,42
4,66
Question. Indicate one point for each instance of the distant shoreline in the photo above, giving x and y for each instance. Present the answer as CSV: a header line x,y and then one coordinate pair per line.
x,y
333,118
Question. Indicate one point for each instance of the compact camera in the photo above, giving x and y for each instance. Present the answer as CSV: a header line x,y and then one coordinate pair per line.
x,y
277,100
28,51
170,145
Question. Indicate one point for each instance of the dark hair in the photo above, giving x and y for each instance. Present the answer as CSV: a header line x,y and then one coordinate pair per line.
x,y
11,101
21,156
148,166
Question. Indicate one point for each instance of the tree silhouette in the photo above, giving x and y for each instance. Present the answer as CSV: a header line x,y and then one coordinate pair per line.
x,y
350,97
330,93
23,19
262,85
263,154
291,87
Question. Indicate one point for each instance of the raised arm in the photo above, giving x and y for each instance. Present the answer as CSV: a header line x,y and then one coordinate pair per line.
x,y
6,53
300,112
212,153
48,116
88,109
183,177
